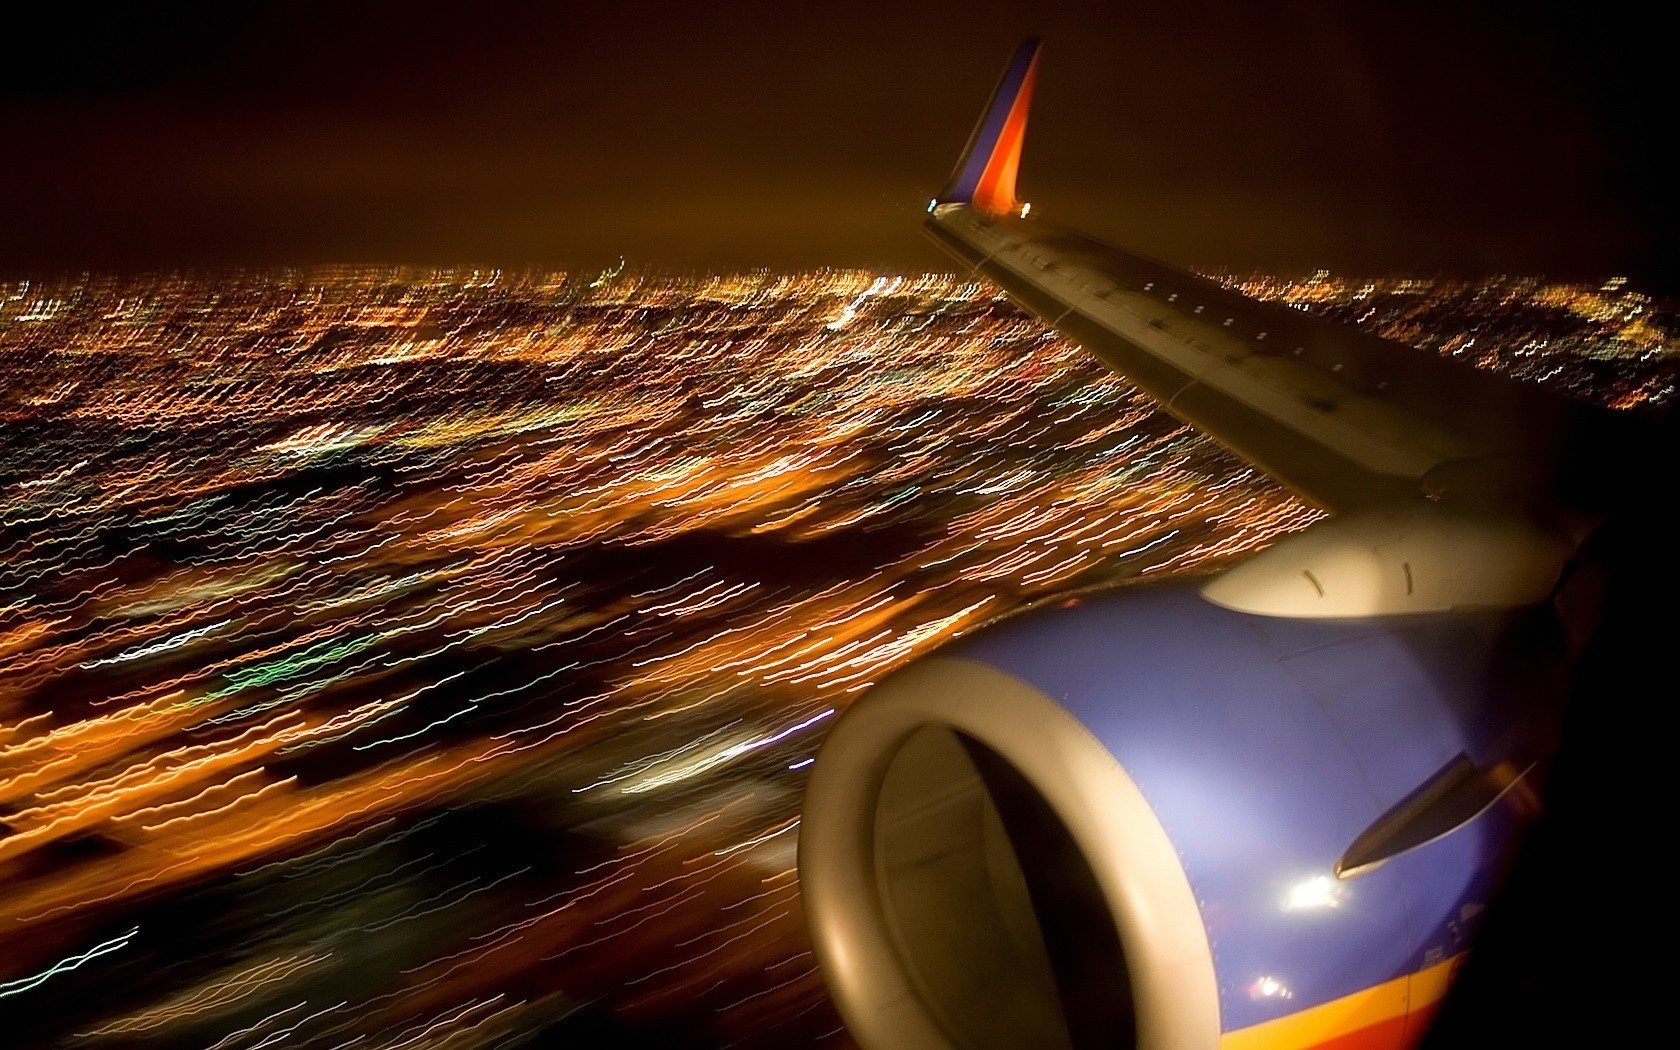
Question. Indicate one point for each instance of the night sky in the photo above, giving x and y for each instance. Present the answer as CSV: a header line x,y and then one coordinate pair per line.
x,y
1417,137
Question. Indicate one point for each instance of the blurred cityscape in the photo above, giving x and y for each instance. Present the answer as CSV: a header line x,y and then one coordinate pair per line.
x,y
433,658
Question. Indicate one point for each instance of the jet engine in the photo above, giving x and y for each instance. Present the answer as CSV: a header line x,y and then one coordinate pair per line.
x,y
1143,818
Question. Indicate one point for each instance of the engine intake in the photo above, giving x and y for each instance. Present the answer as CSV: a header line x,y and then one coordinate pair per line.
x,y
979,871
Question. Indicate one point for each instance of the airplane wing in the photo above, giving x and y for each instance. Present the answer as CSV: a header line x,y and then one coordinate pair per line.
x,y
1261,808
1346,419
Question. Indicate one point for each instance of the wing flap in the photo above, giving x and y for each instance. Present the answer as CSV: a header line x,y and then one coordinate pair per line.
x,y
1343,418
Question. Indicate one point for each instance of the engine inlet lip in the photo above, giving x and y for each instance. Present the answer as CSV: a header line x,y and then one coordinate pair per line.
x,y
1135,864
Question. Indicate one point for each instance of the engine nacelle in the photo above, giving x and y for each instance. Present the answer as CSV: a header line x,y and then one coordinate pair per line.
x,y
1140,818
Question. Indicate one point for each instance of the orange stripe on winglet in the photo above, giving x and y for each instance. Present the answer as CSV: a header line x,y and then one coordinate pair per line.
x,y
995,193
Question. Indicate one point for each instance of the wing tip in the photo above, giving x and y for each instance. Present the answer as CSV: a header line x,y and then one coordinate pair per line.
x,y
985,176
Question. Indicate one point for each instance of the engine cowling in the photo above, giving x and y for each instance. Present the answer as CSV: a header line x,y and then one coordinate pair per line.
x,y
1127,819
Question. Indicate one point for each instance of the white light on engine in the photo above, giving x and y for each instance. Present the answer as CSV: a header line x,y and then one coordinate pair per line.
x,y
1269,988
1320,891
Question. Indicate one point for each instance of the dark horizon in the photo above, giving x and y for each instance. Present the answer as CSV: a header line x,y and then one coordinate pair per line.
x,y
1509,139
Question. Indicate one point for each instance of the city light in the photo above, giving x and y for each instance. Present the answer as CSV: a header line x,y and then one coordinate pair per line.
x,y
458,640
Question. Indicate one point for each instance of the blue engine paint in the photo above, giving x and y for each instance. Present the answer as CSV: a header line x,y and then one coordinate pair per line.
x,y
1265,746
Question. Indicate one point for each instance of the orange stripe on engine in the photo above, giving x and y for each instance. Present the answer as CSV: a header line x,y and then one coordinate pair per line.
x,y
1384,1035
1375,1018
